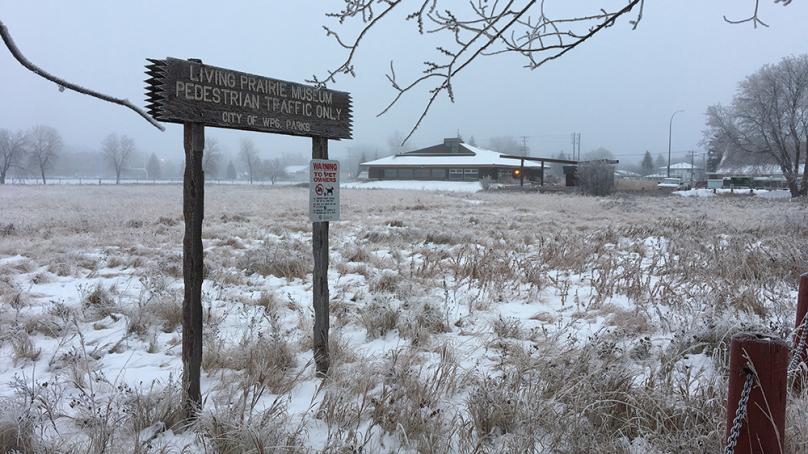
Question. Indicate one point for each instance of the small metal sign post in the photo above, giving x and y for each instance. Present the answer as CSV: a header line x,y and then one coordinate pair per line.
x,y
197,95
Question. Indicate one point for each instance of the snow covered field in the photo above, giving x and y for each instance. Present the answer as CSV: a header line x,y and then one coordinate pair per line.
x,y
462,322
409,185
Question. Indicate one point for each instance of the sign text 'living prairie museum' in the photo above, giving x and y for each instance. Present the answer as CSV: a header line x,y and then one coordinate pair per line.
x,y
181,91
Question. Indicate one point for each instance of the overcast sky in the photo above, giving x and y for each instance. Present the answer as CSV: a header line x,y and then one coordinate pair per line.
x,y
618,90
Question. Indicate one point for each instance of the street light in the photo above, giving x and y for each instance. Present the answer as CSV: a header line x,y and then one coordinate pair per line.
x,y
670,129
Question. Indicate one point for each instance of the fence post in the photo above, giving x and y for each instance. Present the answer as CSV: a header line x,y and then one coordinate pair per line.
x,y
762,429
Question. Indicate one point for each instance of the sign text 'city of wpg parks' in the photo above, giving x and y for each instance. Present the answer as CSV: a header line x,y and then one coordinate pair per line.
x,y
184,91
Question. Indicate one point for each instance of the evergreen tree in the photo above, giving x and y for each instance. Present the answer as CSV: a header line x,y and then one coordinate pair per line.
x,y
660,162
153,167
647,164
231,171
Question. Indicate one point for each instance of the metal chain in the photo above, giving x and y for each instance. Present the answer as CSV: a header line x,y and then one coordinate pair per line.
x,y
796,354
740,414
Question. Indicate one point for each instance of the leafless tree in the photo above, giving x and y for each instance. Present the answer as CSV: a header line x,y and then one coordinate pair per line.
x,y
211,157
249,156
12,151
45,144
153,167
481,28
769,116
117,150
505,144
276,169
597,154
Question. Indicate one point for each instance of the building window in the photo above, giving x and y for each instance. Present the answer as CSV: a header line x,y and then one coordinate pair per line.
x,y
422,174
390,174
438,174
471,174
405,174
455,174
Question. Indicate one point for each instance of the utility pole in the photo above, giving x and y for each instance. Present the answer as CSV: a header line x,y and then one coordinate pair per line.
x,y
692,165
670,135
575,138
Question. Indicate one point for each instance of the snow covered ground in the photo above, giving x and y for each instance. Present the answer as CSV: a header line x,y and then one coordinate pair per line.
x,y
449,186
460,321
765,193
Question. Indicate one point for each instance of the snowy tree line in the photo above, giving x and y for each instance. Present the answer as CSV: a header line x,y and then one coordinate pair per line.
x,y
40,153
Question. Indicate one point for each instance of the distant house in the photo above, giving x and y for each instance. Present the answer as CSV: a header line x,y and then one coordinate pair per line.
x,y
683,170
451,160
626,174
297,172
752,175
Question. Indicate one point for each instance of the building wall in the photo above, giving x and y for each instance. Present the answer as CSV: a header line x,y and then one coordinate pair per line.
x,y
448,173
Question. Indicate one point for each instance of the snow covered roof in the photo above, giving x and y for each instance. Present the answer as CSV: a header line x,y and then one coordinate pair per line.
x,y
468,156
751,170
296,169
681,166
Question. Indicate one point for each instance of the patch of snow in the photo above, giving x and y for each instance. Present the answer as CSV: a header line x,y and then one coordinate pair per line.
x,y
417,185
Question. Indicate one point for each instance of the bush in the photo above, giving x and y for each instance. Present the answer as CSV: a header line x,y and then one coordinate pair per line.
x,y
273,260
378,318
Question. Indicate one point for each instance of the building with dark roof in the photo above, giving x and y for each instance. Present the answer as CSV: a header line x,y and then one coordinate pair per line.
x,y
451,160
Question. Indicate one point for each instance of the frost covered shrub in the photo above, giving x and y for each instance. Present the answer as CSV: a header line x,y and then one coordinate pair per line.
x,y
231,430
168,309
508,327
493,408
16,428
410,401
420,321
379,317
386,282
356,253
275,260
23,347
97,303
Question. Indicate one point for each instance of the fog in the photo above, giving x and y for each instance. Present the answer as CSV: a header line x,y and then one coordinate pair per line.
x,y
618,90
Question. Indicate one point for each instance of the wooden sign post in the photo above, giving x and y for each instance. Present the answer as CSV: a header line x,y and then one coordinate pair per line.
x,y
198,95
319,245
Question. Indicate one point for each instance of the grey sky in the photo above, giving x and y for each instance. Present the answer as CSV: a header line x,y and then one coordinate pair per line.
x,y
618,90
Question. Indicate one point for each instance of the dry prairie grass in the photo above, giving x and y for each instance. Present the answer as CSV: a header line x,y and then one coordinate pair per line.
x,y
500,322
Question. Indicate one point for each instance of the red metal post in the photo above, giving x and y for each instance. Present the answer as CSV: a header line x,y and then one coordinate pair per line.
x,y
763,428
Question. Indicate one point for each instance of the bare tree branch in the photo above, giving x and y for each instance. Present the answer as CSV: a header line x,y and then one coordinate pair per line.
x,y
482,29
63,84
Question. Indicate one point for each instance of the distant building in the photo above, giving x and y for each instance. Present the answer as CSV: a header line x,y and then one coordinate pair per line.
x,y
683,170
451,160
752,175
297,172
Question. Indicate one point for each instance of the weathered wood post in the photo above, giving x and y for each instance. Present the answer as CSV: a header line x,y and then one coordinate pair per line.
x,y
757,370
193,207
320,297
522,172
542,173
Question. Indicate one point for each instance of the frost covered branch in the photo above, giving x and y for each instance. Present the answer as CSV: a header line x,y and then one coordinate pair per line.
x,y
63,84
481,29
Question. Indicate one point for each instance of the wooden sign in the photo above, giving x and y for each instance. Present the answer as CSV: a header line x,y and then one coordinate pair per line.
x,y
183,91
323,190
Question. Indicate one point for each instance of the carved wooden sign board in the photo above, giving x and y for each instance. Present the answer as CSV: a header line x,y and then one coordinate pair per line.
x,y
184,91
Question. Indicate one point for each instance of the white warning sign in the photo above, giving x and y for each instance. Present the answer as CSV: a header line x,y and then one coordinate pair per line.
x,y
323,190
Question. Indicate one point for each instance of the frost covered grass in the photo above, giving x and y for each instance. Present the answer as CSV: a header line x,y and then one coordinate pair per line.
x,y
461,322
